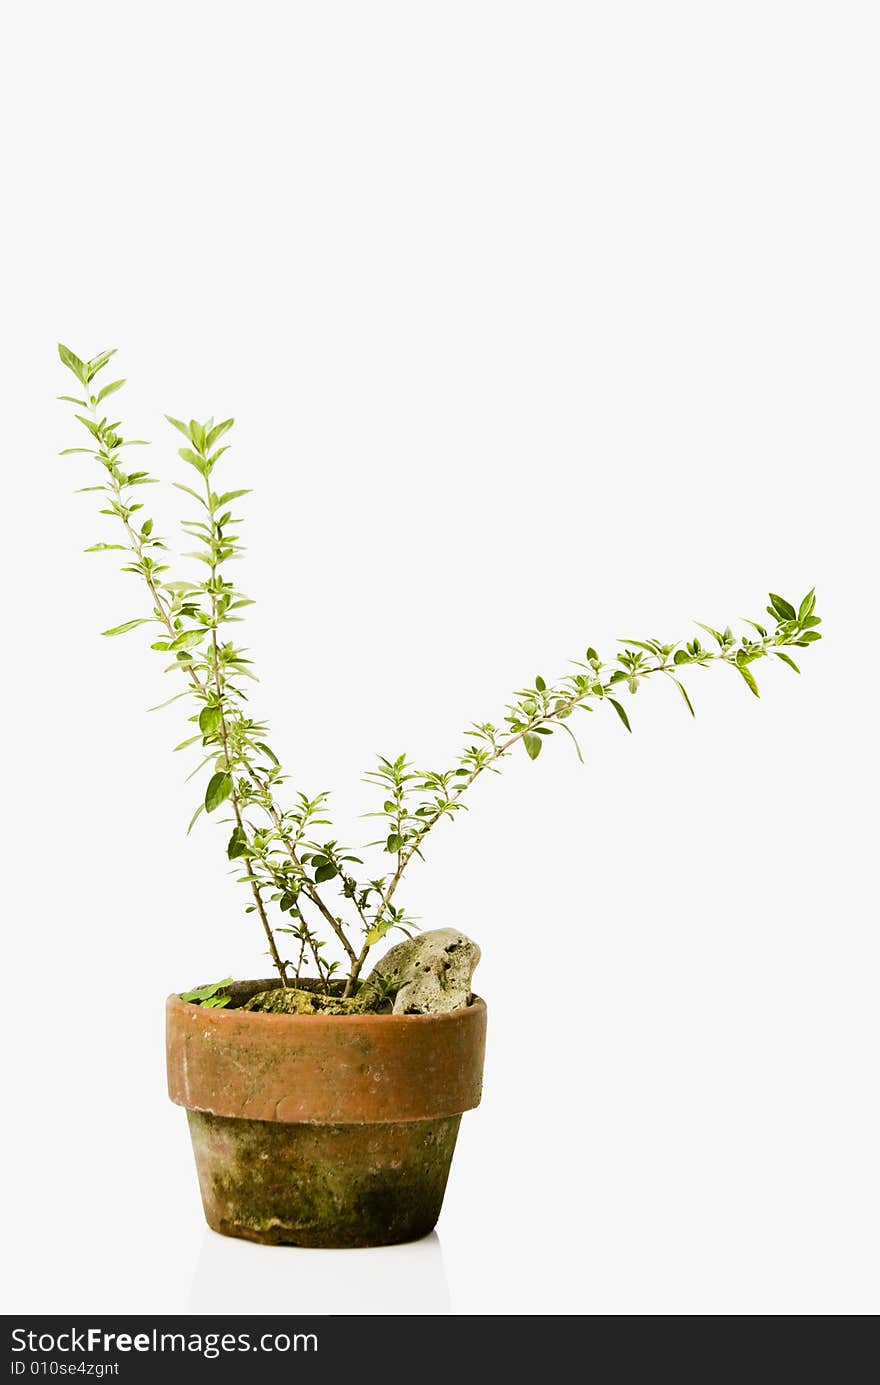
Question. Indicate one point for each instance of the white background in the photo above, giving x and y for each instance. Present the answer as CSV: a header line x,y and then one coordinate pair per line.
x,y
543,324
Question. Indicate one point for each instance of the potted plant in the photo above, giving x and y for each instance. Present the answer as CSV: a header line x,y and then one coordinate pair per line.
x,y
324,1102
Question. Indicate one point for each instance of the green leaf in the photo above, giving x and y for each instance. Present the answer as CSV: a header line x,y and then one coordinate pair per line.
x,y
378,931
190,740
540,684
681,656
809,636
683,690
532,744
575,739
748,676
98,363
187,638
73,362
218,790
176,698
181,427
201,765
238,844
209,720
225,498
786,659
806,607
328,872
782,608
89,423
105,547
202,993
217,432
621,713
196,815
195,495
261,745
127,625
109,389
710,631
216,1002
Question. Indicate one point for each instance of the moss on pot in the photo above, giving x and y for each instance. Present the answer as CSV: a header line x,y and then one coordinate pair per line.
x,y
295,1001
322,1185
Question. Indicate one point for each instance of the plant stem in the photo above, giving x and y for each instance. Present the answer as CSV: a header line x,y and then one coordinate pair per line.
x,y
198,686
309,888
559,710
216,670
279,965
313,948
162,612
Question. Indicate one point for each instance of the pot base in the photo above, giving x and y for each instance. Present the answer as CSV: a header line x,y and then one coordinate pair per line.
x,y
331,1186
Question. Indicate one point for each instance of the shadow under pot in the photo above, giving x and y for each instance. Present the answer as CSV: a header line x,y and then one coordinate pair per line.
x,y
323,1130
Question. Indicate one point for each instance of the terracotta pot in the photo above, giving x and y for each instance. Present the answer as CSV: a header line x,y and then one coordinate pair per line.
x,y
323,1130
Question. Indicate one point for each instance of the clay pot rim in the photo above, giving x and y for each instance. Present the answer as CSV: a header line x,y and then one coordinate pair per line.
x,y
325,1069
225,1013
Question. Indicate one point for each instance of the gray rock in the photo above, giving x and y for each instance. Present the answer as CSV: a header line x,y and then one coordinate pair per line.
x,y
429,973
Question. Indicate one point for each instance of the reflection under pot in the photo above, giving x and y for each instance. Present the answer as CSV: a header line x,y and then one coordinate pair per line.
x,y
233,1276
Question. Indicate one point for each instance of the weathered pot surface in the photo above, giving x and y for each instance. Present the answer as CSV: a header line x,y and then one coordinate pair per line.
x,y
323,1130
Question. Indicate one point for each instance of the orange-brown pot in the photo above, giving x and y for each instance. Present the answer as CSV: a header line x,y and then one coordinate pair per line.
x,y
323,1130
